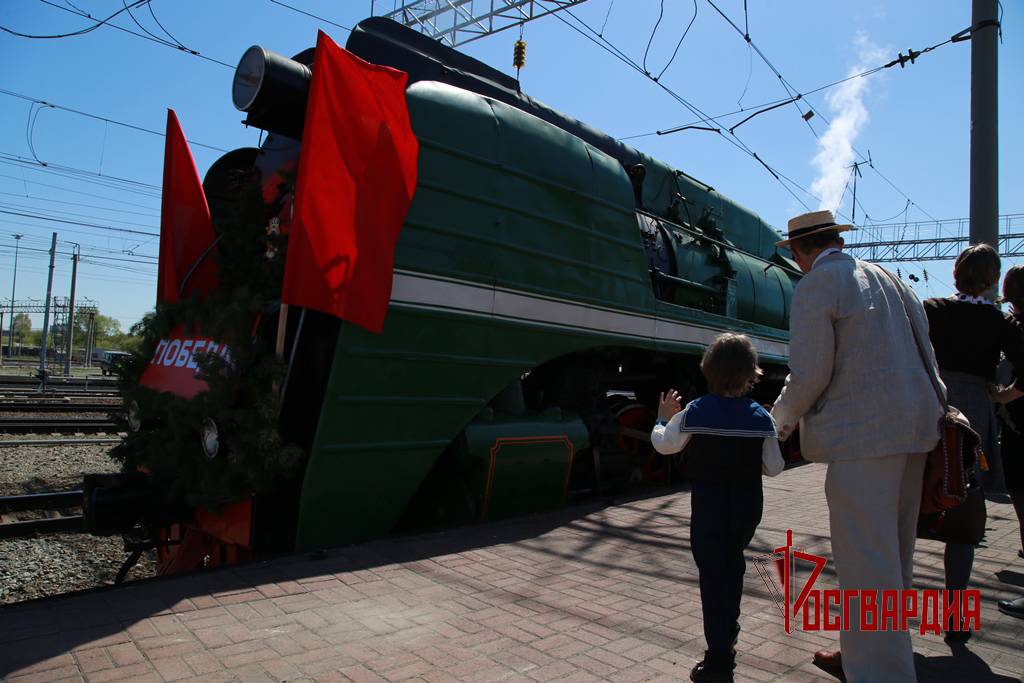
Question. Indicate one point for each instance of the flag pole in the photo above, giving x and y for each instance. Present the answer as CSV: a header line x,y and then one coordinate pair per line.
x,y
282,326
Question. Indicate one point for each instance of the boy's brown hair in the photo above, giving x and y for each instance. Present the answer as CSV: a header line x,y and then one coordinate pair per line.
x,y
976,270
730,365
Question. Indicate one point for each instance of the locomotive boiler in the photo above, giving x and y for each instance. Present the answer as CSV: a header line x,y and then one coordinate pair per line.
x,y
548,282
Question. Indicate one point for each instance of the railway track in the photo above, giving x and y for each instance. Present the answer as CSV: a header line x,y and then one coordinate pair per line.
x,y
30,394
37,406
88,425
33,382
36,443
60,514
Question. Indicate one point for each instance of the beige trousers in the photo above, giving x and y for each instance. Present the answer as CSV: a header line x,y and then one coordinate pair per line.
x,y
873,505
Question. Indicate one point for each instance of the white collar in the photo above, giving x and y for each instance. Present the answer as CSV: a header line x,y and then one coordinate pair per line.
x,y
826,252
960,296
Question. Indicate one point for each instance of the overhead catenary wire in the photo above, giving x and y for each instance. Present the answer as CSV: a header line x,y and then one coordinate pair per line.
x,y
98,181
145,30
606,45
97,117
64,230
680,42
137,260
901,60
134,185
309,14
716,117
49,212
750,74
111,228
654,31
149,6
87,206
73,191
795,96
803,95
82,32
186,50
606,16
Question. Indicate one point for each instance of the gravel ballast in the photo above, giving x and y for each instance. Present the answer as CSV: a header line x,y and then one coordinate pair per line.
x,y
56,563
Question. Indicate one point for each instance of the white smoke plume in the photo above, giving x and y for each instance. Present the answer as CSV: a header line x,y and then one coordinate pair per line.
x,y
835,148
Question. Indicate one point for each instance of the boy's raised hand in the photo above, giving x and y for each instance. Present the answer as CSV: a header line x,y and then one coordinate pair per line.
x,y
668,404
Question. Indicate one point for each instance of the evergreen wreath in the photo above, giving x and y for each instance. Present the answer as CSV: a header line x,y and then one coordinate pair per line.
x,y
242,396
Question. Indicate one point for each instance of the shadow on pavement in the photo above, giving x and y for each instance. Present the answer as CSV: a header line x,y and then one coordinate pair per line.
x,y
959,666
1010,577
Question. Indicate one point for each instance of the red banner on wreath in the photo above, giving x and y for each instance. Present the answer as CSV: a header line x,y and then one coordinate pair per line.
x,y
173,367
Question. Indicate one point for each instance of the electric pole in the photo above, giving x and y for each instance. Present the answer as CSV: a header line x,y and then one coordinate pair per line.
x,y
70,332
14,283
46,311
89,339
984,123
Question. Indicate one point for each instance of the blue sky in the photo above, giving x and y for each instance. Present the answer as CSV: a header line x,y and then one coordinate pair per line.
x,y
914,121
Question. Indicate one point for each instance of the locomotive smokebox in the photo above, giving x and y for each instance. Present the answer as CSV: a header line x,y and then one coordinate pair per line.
x,y
272,90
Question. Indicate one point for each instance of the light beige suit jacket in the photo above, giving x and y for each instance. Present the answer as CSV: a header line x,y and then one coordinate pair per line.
x,y
857,384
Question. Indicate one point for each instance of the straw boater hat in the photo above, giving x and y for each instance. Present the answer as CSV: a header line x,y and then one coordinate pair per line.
x,y
811,223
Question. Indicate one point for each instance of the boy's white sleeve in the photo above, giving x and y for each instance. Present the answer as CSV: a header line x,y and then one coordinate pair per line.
x,y
771,457
667,439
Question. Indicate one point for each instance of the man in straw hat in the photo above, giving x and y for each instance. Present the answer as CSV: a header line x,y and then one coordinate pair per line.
x,y
866,406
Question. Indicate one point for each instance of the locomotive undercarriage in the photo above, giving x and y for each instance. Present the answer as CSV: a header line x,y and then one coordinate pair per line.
x,y
613,392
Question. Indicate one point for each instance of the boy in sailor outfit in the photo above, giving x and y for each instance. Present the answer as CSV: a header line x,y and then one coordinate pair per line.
x,y
730,442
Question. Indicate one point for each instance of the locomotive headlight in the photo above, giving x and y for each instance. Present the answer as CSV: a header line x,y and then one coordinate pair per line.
x,y
248,77
272,90
134,417
210,438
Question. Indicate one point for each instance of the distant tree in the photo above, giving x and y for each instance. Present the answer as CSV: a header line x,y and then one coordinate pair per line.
x,y
114,338
22,326
138,328
105,328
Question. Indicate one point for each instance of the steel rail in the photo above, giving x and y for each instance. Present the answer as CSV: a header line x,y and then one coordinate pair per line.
x,y
51,426
21,392
17,443
70,524
59,407
58,382
48,500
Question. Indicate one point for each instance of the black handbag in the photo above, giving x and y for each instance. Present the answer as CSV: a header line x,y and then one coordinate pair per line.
x,y
963,524
956,523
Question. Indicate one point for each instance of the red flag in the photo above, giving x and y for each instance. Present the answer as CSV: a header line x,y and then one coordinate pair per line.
x,y
186,231
357,176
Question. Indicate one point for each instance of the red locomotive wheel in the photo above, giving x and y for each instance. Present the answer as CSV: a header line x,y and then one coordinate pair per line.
x,y
647,465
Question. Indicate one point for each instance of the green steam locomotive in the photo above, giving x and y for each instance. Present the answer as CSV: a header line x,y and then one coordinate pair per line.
x,y
548,282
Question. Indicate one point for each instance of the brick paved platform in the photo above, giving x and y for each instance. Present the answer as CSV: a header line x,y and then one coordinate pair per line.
x,y
585,594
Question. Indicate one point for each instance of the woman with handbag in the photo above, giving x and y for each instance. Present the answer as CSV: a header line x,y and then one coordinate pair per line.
x,y
968,333
1013,425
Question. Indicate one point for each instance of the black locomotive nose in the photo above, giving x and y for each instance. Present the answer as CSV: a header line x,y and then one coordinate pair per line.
x,y
272,90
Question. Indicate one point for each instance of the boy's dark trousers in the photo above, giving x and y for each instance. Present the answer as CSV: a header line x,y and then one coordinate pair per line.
x,y
723,520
